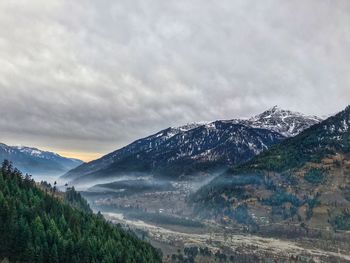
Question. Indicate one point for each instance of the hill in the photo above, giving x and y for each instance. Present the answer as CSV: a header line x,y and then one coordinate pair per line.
x,y
37,162
39,225
303,180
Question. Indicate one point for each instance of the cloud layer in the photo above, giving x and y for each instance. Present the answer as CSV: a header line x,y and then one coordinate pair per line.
x,y
91,76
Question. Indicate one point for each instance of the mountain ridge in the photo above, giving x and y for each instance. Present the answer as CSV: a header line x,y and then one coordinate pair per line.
x,y
191,147
35,161
285,122
304,179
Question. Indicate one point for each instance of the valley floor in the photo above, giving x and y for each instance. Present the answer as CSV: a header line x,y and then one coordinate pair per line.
x,y
246,247
164,218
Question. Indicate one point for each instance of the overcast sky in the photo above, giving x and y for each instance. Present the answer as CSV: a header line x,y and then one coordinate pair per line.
x,y
86,77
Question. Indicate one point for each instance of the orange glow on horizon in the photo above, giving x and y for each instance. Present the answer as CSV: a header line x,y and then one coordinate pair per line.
x,y
84,156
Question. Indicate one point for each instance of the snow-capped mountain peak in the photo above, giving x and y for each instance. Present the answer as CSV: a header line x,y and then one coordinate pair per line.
x,y
195,147
285,122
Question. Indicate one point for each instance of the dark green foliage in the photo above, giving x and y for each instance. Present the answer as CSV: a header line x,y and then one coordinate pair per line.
x,y
315,176
279,198
191,251
229,185
312,202
75,199
70,196
242,216
220,256
205,252
37,226
209,200
341,220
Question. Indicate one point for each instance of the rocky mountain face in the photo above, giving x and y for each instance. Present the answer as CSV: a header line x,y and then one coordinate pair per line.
x,y
304,181
285,122
37,162
197,147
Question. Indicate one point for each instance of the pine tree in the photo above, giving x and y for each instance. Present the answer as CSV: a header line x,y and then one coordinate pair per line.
x,y
35,226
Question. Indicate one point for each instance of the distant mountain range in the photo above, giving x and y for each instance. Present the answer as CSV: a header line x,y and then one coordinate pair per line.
x,y
37,162
304,179
198,147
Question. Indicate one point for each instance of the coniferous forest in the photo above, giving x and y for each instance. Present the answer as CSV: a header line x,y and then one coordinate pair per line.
x,y
37,225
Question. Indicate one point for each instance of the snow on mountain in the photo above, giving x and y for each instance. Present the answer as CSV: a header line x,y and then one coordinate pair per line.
x,y
172,131
285,122
36,152
35,161
43,154
197,147
321,151
338,126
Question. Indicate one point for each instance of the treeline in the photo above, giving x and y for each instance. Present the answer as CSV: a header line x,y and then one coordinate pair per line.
x,y
37,226
70,196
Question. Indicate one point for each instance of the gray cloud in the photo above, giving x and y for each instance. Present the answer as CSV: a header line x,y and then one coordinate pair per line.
x,y
94,75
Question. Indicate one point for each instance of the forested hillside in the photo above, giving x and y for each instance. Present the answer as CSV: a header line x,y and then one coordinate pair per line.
x,y
303,180
326,138
37,225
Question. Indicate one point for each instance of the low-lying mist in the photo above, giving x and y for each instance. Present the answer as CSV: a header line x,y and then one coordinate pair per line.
x,y
145,197
50,178
85,185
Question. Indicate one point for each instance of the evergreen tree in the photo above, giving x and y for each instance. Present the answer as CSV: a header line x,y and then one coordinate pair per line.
x,y
37,226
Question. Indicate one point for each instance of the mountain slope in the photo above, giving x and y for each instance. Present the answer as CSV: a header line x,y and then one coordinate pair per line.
x,y
37,162
197,147
303,179
285,122
327,137
37,226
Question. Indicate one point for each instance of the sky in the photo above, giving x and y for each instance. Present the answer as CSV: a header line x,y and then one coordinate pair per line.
x,y
86,77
